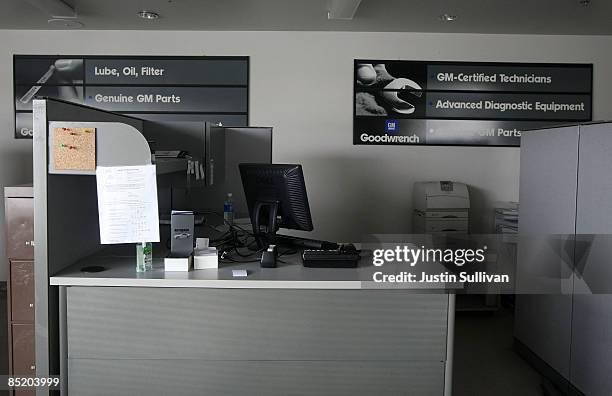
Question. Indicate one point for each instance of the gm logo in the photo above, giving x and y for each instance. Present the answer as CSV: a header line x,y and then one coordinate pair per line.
x,y
26,132
391,126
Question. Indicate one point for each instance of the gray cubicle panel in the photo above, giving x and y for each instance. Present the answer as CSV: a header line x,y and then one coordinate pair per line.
x,y
243,145
591,347
548,175
65,206
185,341
221,149
566,188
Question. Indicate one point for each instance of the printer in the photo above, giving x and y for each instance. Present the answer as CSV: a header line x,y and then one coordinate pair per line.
x,y
440,207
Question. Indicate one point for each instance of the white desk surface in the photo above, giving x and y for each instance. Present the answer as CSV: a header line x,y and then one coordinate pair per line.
x,y
121,271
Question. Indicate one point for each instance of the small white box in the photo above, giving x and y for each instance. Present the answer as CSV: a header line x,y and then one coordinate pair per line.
x,y
205,258
240,273
178,264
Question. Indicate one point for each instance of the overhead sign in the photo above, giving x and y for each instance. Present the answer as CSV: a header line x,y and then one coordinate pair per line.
x,y
465,103
157,88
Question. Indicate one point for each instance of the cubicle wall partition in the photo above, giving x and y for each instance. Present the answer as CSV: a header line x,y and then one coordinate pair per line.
x,y
65,208
66,212
563,313
217,150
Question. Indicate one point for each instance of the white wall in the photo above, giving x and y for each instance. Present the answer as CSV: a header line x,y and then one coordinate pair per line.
x,y
301,83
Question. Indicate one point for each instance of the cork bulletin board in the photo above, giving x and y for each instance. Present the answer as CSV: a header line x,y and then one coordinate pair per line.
x,y
74,149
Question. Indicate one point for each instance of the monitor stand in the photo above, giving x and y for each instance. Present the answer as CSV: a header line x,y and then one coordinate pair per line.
x,y
265,238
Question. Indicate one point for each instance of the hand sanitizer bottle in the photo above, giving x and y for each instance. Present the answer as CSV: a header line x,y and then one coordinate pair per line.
x,y
144,257
228,210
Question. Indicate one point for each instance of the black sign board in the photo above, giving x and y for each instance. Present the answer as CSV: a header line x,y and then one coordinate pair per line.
x,y
161,88
465,103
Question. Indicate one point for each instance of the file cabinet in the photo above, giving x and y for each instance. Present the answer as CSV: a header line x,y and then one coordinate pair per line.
x,y
19,217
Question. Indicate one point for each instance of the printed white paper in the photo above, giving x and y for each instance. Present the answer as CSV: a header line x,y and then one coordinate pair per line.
x,y
127,204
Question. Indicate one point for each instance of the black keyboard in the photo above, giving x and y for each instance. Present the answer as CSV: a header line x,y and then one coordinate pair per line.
x,y
346,256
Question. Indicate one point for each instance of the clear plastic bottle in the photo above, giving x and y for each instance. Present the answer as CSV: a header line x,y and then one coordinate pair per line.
x,y
228,209
144,257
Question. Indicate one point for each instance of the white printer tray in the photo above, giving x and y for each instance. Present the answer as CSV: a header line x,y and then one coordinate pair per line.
x,y
446,225
445,214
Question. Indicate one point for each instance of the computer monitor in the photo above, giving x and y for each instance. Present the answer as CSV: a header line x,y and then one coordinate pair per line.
x,y
276,198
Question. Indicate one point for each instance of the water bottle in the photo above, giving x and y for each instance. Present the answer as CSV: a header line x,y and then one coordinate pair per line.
x,y
228,210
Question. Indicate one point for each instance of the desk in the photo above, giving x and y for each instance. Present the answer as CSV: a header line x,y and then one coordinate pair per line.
x,y
284,331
